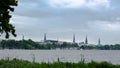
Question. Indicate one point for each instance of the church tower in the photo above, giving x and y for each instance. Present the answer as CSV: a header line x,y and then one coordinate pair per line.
x,y
45,37
23,37
86,41
99,42
73,38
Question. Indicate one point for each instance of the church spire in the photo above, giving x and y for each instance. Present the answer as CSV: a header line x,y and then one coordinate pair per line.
x,y
86,40
73,38
23,37
99,42
45,37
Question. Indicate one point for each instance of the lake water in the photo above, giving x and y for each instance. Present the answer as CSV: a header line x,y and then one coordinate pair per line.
x,y
112,56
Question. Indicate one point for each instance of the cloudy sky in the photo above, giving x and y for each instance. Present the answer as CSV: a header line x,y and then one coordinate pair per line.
x,y
60,19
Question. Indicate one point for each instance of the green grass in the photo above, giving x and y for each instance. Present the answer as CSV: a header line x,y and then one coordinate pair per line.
x,y
16,63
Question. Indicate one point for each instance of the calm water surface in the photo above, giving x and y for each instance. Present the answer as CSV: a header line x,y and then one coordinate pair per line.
x,y
112,56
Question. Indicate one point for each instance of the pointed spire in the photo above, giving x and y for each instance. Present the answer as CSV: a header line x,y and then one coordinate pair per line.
x,y
86,40
73,38
22,37
44,37
99,42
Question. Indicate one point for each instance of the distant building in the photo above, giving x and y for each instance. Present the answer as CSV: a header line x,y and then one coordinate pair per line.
x,y
81,43
49,41
86,41
23,37
99,41
45,37
74,38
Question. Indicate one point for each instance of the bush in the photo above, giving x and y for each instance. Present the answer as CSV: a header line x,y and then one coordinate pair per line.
x,y
16,63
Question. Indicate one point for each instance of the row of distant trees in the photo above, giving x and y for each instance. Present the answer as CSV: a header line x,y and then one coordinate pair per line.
x,y
102,47
29,44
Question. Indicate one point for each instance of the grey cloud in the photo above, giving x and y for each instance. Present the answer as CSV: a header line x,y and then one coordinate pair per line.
x,y
42,11
34,18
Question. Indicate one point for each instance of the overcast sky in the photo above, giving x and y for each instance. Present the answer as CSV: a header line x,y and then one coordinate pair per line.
x,y
60,19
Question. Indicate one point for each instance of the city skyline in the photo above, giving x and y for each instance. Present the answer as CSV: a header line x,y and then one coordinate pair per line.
x,y
73,40
60,19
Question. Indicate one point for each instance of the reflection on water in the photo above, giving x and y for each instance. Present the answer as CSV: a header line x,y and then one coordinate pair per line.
x,y
112,56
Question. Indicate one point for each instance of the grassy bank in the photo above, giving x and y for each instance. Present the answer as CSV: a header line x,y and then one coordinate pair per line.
x,y
16,63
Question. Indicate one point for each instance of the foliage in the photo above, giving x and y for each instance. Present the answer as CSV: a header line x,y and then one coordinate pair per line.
x,y
102,47
15,63
6,6
29,44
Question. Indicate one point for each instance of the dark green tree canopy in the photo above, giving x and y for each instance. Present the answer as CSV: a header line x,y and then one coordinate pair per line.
x,y
7,6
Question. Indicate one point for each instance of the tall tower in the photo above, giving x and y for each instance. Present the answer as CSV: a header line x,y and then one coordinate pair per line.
x,y
45,37
23,37
99,42
73,38
86,40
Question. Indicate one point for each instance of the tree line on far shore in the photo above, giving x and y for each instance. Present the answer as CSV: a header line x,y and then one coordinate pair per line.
x,y
30,44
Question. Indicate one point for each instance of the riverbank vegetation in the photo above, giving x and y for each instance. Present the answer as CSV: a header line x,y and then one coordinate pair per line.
x,y
30,44
16,63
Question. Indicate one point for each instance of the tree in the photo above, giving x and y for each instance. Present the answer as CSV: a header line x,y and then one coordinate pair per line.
x,y
6,6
